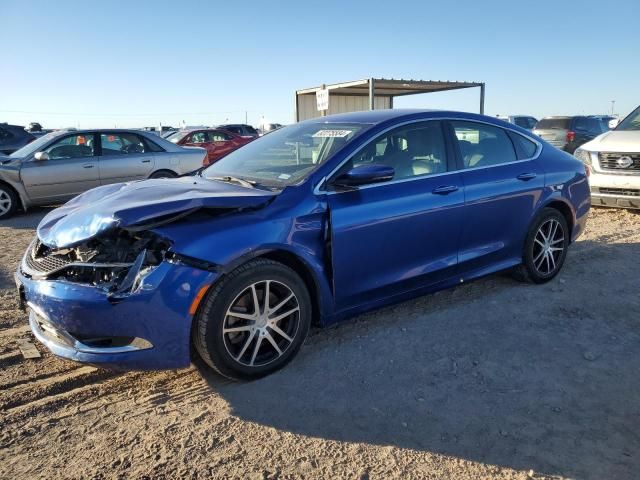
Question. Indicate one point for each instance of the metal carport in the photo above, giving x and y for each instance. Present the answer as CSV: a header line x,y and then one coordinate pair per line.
x,y
370,94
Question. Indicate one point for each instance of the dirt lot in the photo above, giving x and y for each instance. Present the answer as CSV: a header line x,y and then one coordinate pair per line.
x,y
494,379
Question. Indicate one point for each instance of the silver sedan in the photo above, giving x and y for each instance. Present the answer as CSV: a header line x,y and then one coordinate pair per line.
x,y
60,165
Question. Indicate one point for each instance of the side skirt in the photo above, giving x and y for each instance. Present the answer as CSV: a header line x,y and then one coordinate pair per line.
x,y
401,297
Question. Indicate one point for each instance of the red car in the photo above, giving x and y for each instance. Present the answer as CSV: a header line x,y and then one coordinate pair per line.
x,y
217,142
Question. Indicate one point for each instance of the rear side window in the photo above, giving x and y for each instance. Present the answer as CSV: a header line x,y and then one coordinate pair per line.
x,y
218,136
153,147
5,134
581,123
525,148
524,122
122,144
554,122
483,145
596,126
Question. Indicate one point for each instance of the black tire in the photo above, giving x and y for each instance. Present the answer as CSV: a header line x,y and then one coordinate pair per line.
x,y
8,201
214,346
536,266
163,174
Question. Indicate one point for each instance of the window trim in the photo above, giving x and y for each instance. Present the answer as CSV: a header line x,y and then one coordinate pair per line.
x,y
320,188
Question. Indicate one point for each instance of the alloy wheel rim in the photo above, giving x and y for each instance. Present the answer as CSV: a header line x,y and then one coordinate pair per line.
x,y
548,247
261,323
5,202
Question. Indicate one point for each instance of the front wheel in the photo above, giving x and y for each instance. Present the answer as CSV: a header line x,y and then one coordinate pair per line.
x,y
545,247
8,202
254,321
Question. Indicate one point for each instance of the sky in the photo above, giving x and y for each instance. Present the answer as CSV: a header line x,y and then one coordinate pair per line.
x,y
142,63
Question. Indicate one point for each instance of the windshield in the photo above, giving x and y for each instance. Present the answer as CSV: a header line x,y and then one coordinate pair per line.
x,y
285,156
632,122
34,146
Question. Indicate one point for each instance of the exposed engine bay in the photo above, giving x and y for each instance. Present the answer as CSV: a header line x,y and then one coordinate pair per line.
x,y
114,261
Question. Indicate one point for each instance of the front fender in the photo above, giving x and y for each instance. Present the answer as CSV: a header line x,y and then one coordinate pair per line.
x,y
232,240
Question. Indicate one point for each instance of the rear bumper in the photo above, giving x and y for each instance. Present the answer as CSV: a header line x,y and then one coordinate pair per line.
x,y
150,329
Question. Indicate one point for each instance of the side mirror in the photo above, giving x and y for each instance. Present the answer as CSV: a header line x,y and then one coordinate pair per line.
x,y
41,156
365,175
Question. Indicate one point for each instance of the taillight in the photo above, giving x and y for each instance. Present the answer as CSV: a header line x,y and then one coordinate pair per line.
x,y
587,170
571,136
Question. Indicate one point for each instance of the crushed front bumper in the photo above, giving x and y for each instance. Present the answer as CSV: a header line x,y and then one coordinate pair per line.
x,y
149,329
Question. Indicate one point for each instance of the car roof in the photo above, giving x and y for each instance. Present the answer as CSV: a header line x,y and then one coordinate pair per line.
x,y
373,117
65,131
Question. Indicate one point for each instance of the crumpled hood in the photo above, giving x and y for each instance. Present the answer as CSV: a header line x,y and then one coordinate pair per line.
x,y
128,204
626,141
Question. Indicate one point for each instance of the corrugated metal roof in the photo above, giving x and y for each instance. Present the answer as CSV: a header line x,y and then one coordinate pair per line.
x,y
390,87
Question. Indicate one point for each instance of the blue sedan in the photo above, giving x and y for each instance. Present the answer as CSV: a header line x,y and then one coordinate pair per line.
x,y
309,225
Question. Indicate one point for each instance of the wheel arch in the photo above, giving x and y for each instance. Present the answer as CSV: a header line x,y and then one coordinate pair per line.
x,y
299,265
163,170
565,209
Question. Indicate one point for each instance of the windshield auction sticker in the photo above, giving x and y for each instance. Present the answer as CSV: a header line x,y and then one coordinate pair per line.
x,y
331,133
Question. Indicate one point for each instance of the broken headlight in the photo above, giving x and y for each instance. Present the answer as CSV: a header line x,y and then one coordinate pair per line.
x,y
114,262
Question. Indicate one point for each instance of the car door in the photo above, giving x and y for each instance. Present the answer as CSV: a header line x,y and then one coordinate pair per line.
x,y
400,235
503,183
70,169
124,156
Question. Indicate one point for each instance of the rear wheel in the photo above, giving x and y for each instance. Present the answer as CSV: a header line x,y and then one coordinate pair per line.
x,y
163,174
254,321
8,201
545,247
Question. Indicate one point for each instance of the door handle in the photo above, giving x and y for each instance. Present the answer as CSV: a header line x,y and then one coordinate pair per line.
x,y
526,176
146,161
444,189
88,165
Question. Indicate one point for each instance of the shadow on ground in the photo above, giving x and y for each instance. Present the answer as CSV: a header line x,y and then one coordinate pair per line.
x,y
26,221
528,377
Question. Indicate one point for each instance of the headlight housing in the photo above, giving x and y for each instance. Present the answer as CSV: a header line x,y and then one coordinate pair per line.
x,y
583,155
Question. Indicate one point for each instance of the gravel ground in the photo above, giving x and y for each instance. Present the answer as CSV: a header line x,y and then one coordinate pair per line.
x,y
494,379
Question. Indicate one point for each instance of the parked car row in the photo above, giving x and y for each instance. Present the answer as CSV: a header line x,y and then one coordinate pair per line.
x,y
60,165
568,133
217,142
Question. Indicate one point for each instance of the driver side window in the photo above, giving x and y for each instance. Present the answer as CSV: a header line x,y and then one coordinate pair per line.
x,y
73,146
411,150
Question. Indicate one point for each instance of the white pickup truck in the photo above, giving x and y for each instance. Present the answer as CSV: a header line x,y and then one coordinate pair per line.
x,y
613,160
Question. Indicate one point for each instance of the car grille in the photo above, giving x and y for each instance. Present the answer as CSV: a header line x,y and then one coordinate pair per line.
x,y
624,192
609,161
38,259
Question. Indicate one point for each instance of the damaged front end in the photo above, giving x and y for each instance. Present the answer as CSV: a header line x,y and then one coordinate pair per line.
x,y
115,262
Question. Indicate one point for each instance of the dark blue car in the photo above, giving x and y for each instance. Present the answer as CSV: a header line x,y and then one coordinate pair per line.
x,y
311,224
